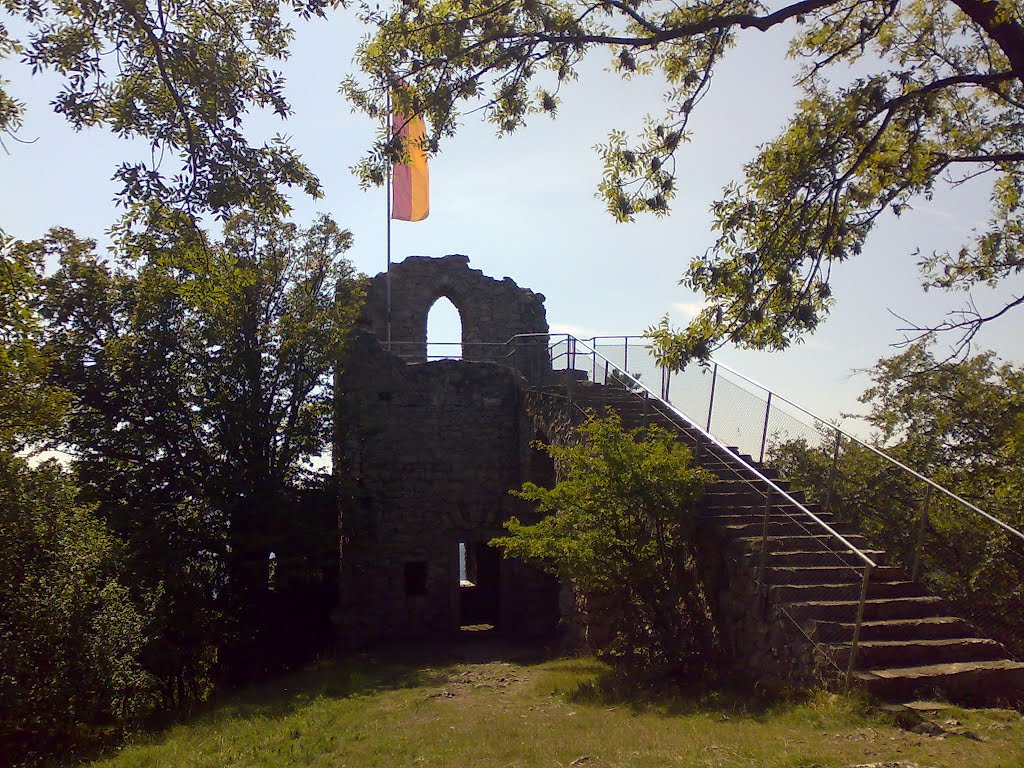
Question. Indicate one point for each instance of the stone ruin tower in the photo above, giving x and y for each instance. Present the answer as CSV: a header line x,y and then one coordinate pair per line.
x,y
428,454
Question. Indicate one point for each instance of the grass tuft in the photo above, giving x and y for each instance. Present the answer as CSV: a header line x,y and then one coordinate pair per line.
x,y
491,705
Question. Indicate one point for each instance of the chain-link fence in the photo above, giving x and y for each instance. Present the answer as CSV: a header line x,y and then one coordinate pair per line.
x,y
713,412
966,547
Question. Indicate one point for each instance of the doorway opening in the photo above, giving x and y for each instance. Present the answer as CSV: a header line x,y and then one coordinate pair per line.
x,y
479,604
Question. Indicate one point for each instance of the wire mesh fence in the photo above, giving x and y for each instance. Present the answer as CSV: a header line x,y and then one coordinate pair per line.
x,y
780,533
734,409
957,550
973,559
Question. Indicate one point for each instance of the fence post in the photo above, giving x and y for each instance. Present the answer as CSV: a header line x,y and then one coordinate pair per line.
x,y
922,526
856,627
711,400
625,354
763,560
832,472
764,432
604,392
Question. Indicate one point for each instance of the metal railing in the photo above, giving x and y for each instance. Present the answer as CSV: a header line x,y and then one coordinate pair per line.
x,y
973,558
567,352
958,549
526,352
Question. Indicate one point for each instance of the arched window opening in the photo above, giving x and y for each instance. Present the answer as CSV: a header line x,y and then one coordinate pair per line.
x,y
444,331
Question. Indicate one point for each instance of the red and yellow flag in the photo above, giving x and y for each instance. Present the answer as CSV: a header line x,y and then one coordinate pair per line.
x,y
411,181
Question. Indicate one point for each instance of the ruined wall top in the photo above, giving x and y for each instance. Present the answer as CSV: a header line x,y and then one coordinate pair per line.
x,y
492,311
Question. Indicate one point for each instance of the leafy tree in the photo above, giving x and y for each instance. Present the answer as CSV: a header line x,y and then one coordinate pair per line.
x,y
959,425
29,408
620,525
200,397
71,636
178,76
951,421
896,96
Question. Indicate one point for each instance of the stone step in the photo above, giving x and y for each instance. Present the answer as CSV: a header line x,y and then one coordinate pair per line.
x,y
739,485
639,414
829,575
819,557
805,593
634,422
803,525
977,683
927,628
796,523
874,609
779,507
753,497
823,542
787,514
877,654
786,527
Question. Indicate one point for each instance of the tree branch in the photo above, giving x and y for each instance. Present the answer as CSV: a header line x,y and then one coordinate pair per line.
x,y
1007,34
161,64
969,321
664,35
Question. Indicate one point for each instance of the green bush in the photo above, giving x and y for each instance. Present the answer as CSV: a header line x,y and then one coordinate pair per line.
x,y
70,633
620,527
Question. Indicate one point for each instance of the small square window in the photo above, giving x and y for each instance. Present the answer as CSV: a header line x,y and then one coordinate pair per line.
x,y
415,579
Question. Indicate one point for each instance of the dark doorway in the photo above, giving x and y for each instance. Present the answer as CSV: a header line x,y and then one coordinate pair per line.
x,y
479,586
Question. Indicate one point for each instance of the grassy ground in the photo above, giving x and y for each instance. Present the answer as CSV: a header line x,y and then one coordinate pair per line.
x,y
486,705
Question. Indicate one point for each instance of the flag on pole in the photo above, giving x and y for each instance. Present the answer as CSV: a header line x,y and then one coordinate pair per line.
x,y
410,188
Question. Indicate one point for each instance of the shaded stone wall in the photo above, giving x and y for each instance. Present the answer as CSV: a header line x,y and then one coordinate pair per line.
x,y
430,453
758,640
492,311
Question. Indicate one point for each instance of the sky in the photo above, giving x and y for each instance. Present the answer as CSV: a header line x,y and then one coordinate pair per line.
x,y
524,206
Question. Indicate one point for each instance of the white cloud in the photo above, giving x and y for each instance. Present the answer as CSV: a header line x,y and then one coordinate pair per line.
x,y
688,309
579,331
931,210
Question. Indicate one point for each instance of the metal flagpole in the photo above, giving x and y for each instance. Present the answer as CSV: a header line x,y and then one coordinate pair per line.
x,y
387,279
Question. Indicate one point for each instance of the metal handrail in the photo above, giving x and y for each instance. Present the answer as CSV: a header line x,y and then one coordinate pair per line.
x,y
773,395
773,489
749,467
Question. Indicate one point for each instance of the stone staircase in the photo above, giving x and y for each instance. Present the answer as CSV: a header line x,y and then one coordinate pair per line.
x,y
910,645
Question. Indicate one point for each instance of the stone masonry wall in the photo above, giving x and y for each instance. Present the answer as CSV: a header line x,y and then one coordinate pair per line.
x,y
758,640
492,311
430,451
